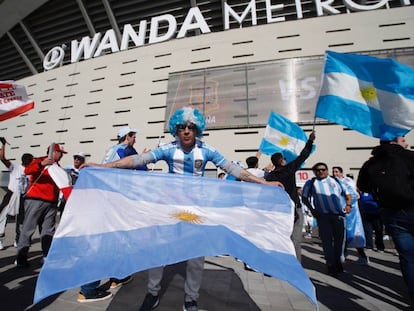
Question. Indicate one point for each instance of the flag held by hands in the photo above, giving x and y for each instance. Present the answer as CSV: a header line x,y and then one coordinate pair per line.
x,y
157,221
13,100
371,95
284,136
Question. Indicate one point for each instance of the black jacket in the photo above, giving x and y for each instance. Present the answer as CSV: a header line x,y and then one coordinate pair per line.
x,y
287,174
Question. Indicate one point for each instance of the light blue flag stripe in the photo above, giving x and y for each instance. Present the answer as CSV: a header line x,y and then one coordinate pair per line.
x,y
286,128
269,148
386,73
118,232
367,94
284,125
362,118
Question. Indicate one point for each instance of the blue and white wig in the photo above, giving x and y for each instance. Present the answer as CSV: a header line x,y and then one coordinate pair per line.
x,y
185,115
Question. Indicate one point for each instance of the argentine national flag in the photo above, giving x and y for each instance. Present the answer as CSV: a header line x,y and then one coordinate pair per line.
x,y
117,222
370,95
284,136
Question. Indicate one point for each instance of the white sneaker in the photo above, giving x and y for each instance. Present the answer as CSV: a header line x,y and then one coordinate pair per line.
x,y
1,245
15,244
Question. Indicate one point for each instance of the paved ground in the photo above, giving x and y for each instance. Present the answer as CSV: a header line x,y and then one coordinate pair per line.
x,y
226,286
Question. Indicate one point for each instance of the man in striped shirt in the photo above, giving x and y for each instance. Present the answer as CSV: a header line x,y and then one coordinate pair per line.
x,y
329,200
186,155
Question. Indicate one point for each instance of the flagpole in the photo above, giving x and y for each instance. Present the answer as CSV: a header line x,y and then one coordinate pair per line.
x,y
314,123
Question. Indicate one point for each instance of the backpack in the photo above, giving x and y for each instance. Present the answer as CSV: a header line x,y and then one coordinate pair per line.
x,y
389,179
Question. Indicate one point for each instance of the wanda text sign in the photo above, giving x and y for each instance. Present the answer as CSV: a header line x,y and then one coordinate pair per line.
x,y
131,37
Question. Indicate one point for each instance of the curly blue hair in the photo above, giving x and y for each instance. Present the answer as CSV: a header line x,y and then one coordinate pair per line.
x,y
185,115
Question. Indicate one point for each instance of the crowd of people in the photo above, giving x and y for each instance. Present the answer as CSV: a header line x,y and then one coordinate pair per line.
x,y
325,201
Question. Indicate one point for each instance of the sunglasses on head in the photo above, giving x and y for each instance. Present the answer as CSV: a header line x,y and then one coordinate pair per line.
x,y
182,127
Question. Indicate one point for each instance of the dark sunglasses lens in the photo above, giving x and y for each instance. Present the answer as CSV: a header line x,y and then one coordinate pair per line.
x,y
181,127
320,169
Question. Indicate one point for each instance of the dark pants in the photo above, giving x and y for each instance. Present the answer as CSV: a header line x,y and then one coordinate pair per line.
x,y
400,226
373,224
36,212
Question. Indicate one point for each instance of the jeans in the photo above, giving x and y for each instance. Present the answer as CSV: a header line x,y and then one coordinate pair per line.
x,y
194,274
400,226
89,289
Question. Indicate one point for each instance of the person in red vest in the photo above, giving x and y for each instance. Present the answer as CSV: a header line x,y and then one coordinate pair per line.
x,y
40,204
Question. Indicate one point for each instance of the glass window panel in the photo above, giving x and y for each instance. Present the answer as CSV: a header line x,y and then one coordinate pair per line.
x,y
244,95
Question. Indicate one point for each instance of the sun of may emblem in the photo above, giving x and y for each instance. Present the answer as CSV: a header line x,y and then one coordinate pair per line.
x,y
369,93
284,141
188,217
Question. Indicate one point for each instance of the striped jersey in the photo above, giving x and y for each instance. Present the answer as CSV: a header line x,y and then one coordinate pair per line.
x,y
328,195
187,163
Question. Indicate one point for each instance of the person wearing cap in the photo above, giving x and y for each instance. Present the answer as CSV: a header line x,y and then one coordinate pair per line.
x,y
286,174
73,171
11,200
187,155
125,147
40,205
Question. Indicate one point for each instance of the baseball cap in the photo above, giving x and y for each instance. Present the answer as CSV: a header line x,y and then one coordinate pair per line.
x,y
80,154
57,148
125,130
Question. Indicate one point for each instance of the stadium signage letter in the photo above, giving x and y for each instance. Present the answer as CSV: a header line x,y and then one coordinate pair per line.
x,y
194,20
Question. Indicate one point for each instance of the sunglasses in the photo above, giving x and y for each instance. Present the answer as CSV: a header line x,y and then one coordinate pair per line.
x,y
182,127
78,158
320,169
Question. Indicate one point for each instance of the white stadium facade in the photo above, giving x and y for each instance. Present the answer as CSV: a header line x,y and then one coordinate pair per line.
x,y
93,66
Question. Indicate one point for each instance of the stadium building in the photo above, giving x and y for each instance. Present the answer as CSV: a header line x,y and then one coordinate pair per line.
x,y
95,66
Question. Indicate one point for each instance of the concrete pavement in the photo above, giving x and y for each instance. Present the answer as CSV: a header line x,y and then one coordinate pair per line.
x,y
226,285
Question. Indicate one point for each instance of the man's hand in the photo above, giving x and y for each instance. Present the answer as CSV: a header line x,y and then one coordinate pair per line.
x,y
86,164
47,162
312,136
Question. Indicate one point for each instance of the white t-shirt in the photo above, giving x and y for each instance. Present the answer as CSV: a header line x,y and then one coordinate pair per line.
x,y
16,172
256,172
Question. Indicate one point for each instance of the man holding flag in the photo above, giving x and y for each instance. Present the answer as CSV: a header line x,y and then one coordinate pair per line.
x,y
285,173
186,156
40,205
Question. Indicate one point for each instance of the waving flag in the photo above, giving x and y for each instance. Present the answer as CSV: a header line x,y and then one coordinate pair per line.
x,y
61,179
284,136
13,100
370,95
109,229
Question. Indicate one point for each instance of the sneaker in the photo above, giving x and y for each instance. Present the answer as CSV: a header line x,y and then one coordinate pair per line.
x,y
118,282
1,245
15,244
150,302
97,295
190,306
21,263
363,261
